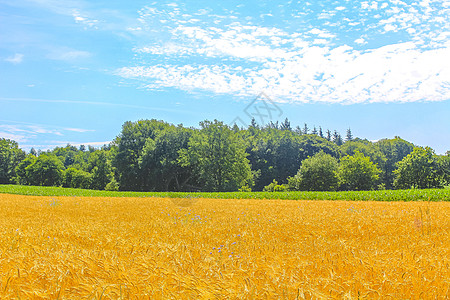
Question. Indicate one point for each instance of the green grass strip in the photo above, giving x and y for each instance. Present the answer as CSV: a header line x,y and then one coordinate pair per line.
x,y
384,195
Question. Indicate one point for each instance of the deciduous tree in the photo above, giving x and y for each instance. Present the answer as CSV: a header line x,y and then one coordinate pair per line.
x,y
317,173
357,172
419,169
10,158
217,157
46,170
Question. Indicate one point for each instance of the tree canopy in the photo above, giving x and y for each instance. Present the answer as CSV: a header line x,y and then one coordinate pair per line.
x,y
316,173
217,157
358,172
419,169
10,158
152,155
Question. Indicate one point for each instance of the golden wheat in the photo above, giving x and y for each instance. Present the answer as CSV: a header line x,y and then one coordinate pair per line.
x,y
148,248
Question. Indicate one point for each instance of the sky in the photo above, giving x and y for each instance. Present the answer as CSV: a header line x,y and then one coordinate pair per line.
x,y
73,71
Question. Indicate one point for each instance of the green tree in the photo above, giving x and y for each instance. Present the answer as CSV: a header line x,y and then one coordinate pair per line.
x,y
68,176
277,154
100,168
349,135
66,154
21,170
357,172
130,143
316,173
337,139
46,170
393,150
161,158
311,144
419,169
444,164
218,157
286,125
273,154
10,158
80,160
33,152
328,135
305,129
368,149
82,180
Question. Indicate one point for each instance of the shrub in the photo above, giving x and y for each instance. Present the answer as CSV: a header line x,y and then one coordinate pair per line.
x,y
274,187
245,188
113,185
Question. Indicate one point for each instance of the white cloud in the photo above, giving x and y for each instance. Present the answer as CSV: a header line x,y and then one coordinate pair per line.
x,y
320,42
84,19
24,130
68,54
360,41
15,137
322,33
313,64
396,73
16,59
38,129
390,27
81,130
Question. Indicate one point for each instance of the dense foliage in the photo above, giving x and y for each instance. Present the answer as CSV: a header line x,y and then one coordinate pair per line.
x,y
10,157
357,172
316,173
152,155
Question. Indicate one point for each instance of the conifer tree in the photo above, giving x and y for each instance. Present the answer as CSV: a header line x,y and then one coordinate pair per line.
x,y
286,125
305,129
328,135
320,132
337,139
349,136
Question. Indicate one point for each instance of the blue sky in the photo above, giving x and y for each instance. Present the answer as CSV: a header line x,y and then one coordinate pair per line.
x,y
73,71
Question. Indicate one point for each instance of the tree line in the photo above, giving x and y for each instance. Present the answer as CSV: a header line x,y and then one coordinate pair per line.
x,y
153,155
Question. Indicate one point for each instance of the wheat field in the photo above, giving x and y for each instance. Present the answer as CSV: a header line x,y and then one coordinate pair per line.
x,y
156,248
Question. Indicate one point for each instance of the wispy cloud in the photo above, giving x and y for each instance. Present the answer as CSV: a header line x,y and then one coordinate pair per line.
x,y
80,11
23,131
11,136
81,130
15,59
63,7
53,144
84,19
110,104
313,64
68,54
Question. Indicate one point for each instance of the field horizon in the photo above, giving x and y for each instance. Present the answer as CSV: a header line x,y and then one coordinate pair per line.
x,y
377,195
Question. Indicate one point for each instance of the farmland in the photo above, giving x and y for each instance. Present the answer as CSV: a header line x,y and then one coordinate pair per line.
x,y
380,195
71,247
